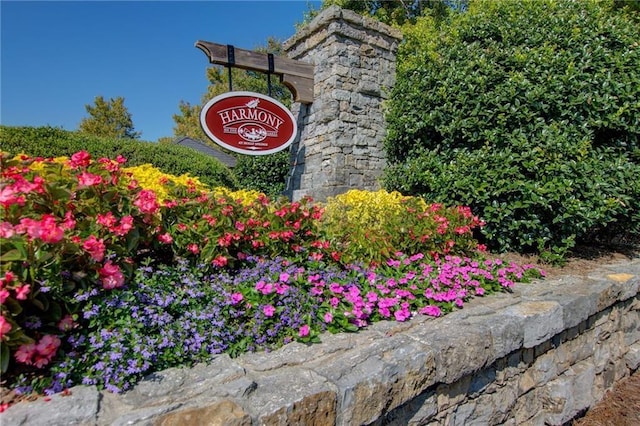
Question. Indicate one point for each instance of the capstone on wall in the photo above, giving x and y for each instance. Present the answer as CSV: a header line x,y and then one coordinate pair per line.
x,y
339,145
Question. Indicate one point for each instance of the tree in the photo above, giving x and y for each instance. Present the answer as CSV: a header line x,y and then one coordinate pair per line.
x,y
528,112
399,12
108,118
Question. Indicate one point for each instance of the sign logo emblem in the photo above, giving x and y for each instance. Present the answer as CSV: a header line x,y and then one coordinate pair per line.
x,y
248,123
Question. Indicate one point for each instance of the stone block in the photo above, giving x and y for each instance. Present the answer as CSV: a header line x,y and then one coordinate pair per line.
x,y
78,408
542,320
221,413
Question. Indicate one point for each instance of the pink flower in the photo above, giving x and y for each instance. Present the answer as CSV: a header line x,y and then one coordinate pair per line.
x,y
80,159
69,221
4,295
66,323
165,238
111,276
25,353
236,298
22,291
6,230
5,327
328,317
9,197
48,345
46,229
107,220
147,202
126,224
193,248
303,331
86,179
268,310
95,248
220,261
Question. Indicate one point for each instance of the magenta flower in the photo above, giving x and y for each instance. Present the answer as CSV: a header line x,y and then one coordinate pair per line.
x,y
268,310
236,298
431,310
304,331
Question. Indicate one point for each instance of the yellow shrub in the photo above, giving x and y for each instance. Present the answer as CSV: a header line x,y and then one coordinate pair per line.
x,y
149,177
371,210
245,196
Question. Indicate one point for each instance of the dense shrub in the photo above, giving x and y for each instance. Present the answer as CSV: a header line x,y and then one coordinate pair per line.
x,y
528,113
264,173
173,159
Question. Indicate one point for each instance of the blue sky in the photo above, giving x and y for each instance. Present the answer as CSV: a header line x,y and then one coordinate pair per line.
x,y
58,56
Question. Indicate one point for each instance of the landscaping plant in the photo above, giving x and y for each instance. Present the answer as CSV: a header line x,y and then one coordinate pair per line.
x,y
110,273
528,113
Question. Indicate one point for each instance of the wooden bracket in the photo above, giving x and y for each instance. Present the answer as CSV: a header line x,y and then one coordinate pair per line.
x,y
296,75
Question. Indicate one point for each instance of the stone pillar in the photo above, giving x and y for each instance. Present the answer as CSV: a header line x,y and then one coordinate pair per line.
x,y
339,144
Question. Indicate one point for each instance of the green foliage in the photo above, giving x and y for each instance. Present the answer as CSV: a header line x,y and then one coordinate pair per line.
x,y
526,111
172,159
263,173
109,119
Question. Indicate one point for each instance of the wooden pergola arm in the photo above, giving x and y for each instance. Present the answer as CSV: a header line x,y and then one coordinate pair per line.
x,y
296,75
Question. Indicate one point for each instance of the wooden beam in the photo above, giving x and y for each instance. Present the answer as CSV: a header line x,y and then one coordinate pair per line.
x,y
296,75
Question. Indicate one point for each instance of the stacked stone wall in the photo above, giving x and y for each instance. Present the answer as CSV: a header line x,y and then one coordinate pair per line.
x,y
339,145
540,355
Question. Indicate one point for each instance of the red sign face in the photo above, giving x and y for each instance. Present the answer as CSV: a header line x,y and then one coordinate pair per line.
x,y
248,123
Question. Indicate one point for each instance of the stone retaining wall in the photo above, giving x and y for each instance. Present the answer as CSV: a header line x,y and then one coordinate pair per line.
x,y
539,355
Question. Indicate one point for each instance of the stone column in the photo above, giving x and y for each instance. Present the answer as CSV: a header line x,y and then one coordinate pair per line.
x,y
339,144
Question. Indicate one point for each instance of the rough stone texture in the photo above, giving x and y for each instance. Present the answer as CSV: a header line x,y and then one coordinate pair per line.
x,y
540,355
339,144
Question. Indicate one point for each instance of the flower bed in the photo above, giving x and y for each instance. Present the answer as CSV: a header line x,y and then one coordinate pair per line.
x,y
112,273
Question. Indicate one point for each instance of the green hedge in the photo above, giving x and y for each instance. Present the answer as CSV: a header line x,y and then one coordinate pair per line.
x,y
526,111
172,159
264,173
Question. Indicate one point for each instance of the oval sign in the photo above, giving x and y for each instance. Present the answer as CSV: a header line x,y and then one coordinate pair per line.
x,y
248,123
